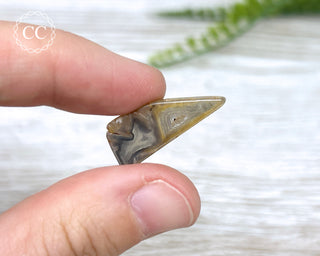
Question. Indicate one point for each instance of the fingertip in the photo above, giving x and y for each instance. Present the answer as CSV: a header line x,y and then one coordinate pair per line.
x,y
179,181
76,75
156,81
103,211
135,84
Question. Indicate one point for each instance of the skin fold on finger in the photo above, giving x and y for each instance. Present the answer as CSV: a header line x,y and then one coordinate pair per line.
x,y
76,75
91,213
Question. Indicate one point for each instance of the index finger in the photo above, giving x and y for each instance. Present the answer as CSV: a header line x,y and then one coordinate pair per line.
x,y
76,75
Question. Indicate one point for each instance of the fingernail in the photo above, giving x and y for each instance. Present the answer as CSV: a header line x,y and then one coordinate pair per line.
x,y
160,207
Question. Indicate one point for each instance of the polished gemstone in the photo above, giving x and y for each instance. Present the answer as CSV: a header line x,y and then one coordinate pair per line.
x,y
137,135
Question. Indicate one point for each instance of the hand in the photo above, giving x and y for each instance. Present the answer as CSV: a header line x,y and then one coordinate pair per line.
x,y
103,211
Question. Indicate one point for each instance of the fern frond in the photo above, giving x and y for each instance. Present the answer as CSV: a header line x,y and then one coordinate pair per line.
x,y
228,23
217,14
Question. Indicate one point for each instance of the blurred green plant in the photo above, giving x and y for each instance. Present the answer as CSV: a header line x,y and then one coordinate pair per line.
x,y
227,23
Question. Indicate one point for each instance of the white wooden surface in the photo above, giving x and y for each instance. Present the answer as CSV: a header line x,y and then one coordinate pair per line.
x,y
256,161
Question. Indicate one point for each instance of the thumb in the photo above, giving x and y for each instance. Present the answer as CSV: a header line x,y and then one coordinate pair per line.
x,y
103,211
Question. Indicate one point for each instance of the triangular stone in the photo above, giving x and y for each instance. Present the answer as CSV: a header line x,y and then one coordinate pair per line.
x,y
136,136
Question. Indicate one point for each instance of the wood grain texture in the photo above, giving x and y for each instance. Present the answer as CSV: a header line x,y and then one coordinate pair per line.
x,y
255,162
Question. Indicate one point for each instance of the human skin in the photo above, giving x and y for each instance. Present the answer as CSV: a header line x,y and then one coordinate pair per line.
x,y
103,211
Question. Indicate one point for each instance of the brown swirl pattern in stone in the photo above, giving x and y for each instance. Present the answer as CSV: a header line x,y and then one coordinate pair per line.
x,y
136,136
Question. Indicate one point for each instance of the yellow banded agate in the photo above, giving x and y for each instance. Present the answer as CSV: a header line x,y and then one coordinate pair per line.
x,y
135,136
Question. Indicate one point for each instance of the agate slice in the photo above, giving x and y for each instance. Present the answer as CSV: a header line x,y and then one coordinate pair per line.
x,y
136,136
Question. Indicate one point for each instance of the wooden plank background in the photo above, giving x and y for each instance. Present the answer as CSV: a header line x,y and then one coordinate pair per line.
x,y
256,161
